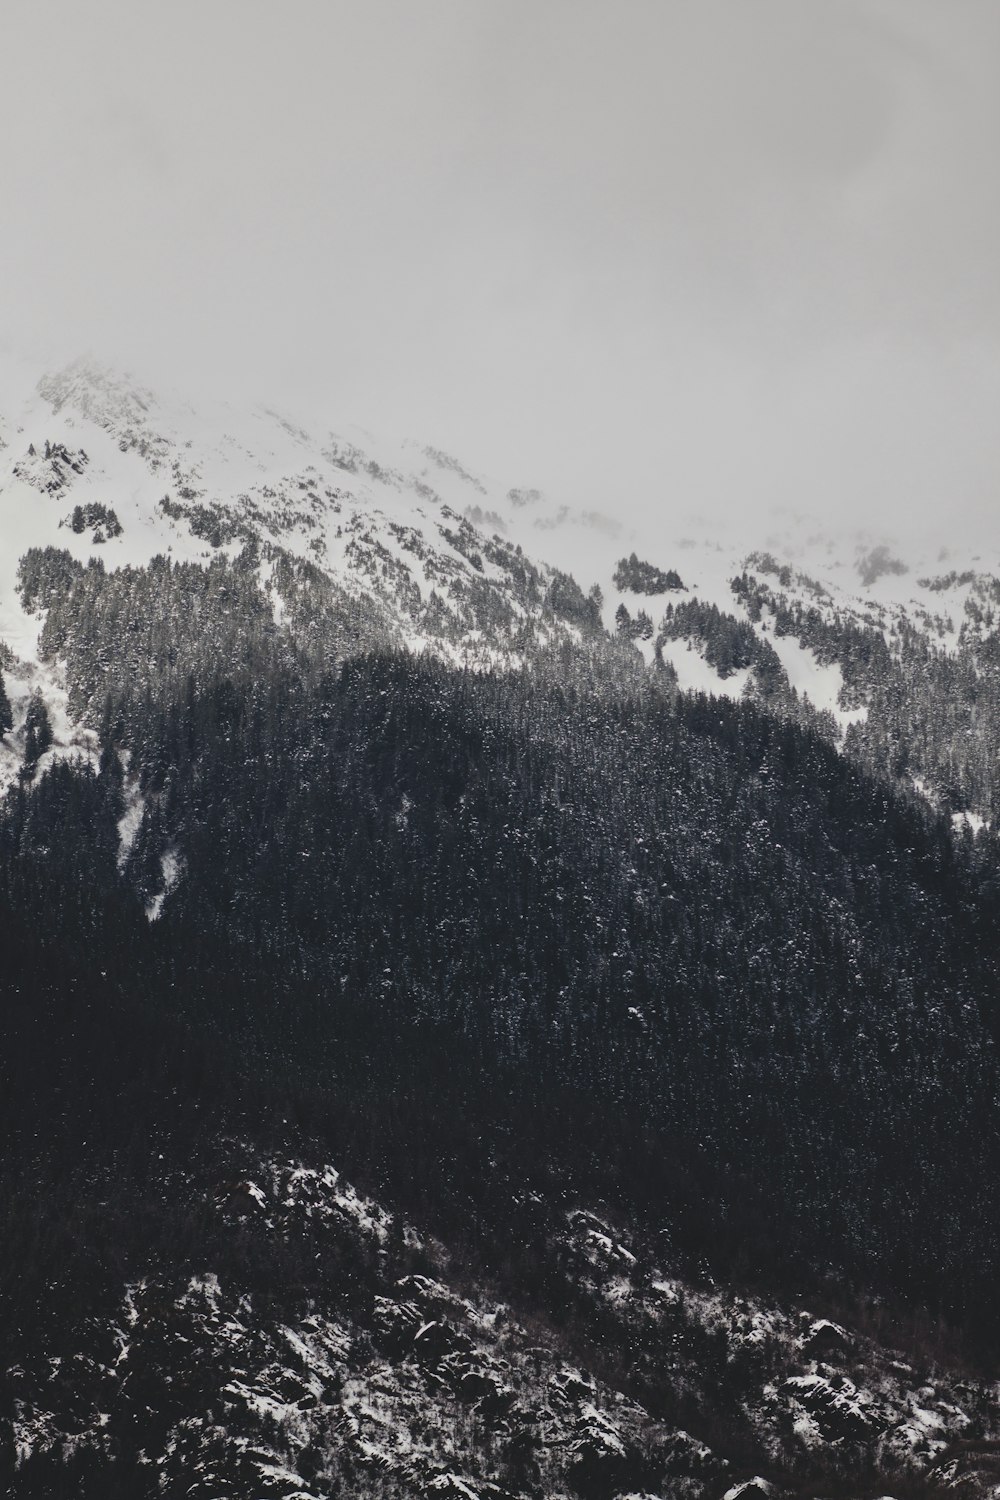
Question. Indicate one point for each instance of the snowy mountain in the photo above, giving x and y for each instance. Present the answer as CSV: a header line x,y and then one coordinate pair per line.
x,y
414,551
612,900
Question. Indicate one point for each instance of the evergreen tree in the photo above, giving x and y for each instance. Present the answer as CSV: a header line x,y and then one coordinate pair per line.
x,y
37,732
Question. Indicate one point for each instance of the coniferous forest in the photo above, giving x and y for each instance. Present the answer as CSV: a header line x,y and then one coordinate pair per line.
x,y
648,942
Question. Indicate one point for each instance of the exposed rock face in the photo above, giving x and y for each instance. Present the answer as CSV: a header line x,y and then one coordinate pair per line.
x,y
824,1340
834,1407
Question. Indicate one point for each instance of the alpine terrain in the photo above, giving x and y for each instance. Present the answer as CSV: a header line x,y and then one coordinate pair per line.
x,y
495,1004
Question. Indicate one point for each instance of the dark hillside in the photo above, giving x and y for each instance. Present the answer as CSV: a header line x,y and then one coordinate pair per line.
x,y
672,953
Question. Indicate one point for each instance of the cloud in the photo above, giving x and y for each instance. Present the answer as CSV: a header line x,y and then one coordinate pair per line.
x,y
738,253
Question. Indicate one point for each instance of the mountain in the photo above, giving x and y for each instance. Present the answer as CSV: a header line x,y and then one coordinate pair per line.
x,y
613,906
890,643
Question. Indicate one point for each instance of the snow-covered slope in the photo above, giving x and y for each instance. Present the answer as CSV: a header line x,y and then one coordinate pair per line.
x,y
439,558
105,471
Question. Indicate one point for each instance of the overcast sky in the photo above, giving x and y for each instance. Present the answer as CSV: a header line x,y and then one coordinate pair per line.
x,y
727,253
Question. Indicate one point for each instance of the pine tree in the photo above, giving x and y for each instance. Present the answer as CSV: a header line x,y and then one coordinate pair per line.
x,y
37,732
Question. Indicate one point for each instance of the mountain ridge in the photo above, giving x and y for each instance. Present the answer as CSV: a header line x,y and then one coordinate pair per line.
x,y
404,533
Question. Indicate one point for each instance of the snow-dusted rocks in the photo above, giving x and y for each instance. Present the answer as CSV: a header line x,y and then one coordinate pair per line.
x,y
822,1339
752,1489
403,1384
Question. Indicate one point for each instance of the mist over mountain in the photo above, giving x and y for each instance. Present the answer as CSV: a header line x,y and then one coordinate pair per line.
x,y
671,258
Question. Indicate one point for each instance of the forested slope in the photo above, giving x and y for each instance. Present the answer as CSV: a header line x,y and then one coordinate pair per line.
x,y
670,927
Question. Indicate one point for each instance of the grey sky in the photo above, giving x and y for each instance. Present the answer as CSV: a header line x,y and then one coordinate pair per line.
x,y
714,252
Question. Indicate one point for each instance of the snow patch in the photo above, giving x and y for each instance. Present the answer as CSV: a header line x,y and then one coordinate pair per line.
x,y
171,869
130,821
696,675
820,682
